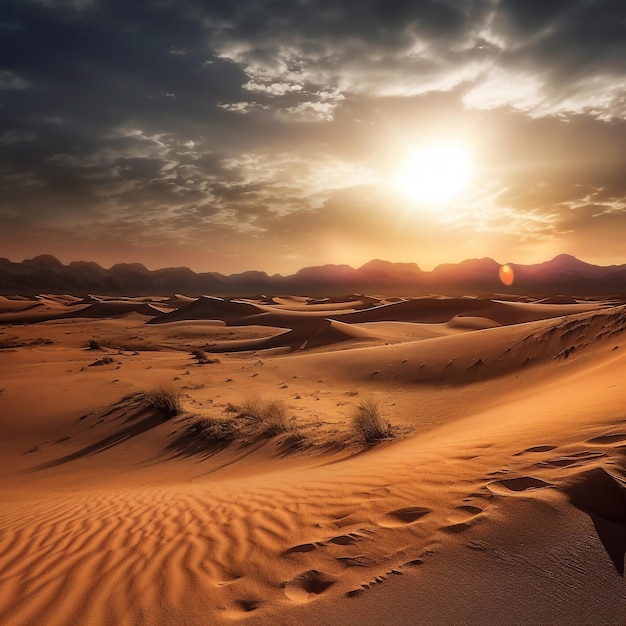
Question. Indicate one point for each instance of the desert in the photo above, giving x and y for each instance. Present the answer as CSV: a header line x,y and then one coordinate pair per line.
x,y
492,492
312,313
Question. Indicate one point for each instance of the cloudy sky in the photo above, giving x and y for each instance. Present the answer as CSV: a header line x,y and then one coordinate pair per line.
x,y
230,135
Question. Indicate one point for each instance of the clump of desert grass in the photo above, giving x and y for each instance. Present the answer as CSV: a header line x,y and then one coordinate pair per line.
x,y
244,425
213,430
107,360
260,419
201,356
166,399
368,423
267,417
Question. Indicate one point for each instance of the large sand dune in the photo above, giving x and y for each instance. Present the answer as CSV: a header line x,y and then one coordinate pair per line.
x,y
502,501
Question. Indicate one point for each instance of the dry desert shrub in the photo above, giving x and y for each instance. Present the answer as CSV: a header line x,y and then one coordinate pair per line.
x,y
107,360
202,358
213,430
165,399
369,424
269,417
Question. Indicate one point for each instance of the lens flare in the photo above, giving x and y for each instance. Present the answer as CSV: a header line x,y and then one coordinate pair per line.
x,y
506,275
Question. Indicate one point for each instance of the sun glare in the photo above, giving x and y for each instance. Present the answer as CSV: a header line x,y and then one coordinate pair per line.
x,y
436,173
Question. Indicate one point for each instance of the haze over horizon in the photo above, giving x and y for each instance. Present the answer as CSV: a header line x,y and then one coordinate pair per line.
x,y
277,135
564,260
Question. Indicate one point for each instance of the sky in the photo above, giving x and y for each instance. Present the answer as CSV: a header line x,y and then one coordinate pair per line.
x,y
231,135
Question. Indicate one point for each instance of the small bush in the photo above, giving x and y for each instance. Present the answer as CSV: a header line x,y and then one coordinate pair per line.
x,y
368,423
107,360
202,357
93,345
268,416
213,430
167,400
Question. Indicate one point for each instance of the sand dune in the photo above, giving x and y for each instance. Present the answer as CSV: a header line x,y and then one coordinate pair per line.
x,y
13,306
116,308
209,308
58,310
419,310
315,333
506,503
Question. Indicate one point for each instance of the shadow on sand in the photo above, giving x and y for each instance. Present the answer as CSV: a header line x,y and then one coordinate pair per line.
x,y
139,421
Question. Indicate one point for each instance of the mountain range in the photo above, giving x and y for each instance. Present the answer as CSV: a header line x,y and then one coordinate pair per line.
x,y
563,275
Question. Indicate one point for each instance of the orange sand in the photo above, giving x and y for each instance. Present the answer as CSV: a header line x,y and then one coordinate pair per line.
x,y
505,504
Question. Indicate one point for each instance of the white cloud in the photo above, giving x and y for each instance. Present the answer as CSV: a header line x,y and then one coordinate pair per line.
x,y
272,88
497,88
241,107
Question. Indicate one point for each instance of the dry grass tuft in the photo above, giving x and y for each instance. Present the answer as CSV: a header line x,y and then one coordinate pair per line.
x,y
107,360
368,422
269,417
167,400
202,358
213,430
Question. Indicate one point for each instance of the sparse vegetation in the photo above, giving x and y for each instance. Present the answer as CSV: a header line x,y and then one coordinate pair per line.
x,y
14,342
268,416
261,418
167,400
369,424
94,345
213,430
107,360
202,357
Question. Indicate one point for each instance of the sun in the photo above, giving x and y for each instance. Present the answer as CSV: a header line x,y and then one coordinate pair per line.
x,y
436,173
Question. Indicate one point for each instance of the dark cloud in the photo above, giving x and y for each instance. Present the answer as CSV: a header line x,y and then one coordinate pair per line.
x,y
190,122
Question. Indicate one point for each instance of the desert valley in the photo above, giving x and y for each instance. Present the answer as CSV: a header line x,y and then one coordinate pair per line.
x,y
198,460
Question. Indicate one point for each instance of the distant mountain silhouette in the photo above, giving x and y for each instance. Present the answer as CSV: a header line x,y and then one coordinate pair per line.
x,y
563,275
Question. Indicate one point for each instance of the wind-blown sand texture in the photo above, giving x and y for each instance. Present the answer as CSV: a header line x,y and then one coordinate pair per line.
x,y
502,500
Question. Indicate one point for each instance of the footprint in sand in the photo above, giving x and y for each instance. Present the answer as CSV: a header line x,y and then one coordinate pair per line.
x,y
303,547
248,605
577,459
512,485
462,518
403,517
464,513
535,449
355,561
344,540
305,586
608,439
